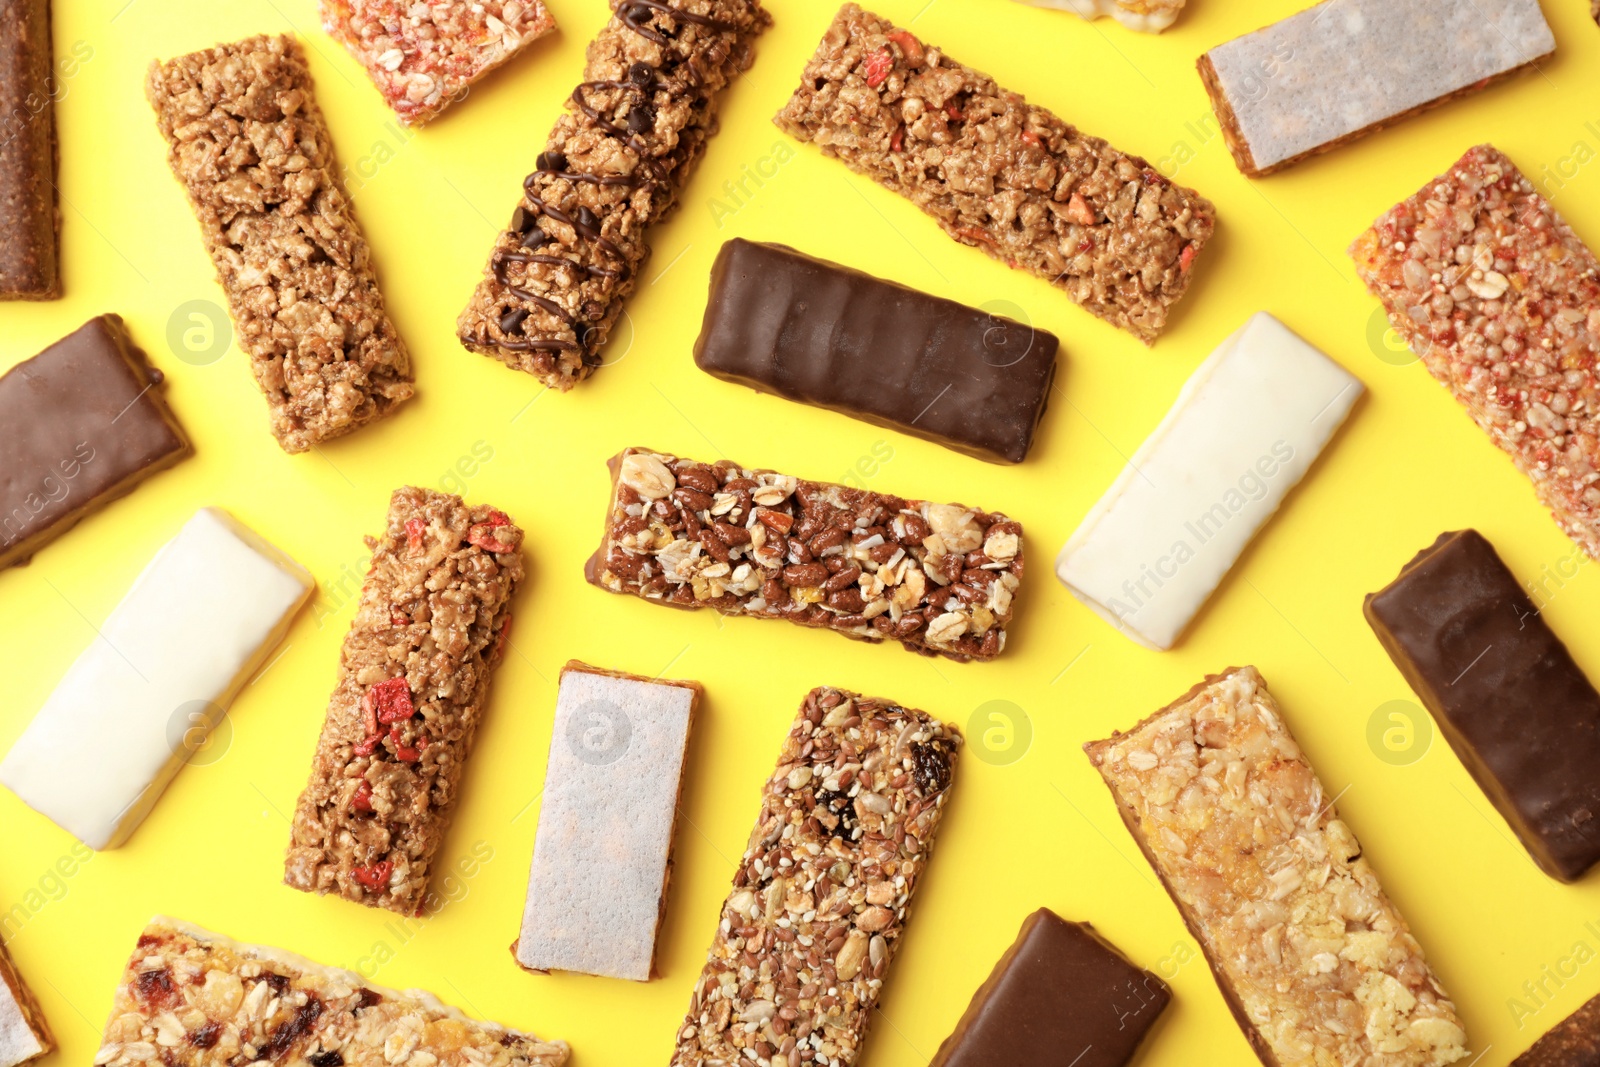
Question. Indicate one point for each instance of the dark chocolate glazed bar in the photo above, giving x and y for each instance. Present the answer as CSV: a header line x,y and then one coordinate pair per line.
x,y
1575,1041
28,216
784,322
1505,692
81,424
1061,994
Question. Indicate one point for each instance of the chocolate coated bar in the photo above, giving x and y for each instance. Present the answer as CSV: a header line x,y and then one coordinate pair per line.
x,y
29,218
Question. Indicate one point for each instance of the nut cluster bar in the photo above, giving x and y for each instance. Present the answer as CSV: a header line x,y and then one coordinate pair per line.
x,y
820,900
251,148
29,217
430,628
191,998
1311,955
1490,286
614,165
939,578
1000,174
24,1034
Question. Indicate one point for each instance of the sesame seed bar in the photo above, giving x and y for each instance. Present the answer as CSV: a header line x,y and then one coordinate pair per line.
x,y
1501,299
29,215
999,174
1146,16
24,1034
414,672
191,998
424,57
250,147
1312,957
821,898
614,164
938,578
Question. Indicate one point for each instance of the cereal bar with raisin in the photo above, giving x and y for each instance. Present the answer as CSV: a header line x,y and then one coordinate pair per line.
x,y
30,217
414,672
1313,958
820,900
24,1034
191,998
938,578
250,147
614,165
1501,299
1000,174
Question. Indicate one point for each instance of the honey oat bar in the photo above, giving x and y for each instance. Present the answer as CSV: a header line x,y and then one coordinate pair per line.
x,y
24,1034
29,216
1147,16
425,56
613,166
1315,961
1501,299
414,672
191,998
938,578
999,174
820,900
250,146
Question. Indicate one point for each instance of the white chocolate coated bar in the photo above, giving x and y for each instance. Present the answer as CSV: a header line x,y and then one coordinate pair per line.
x,y
24,1035
1147,16
1244,430
197,623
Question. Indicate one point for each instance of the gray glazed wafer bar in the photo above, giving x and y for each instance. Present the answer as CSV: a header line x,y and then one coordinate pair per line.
x,y
820,900
597,887
29,218
24,1034
1000,174
1345,68
252,150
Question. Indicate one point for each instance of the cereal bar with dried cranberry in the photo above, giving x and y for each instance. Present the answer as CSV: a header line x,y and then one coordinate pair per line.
x,y
424,57
615,163
429,630
938,578
24,1035
1000,174
1311,955
1501,299
251,149
820,900
191,998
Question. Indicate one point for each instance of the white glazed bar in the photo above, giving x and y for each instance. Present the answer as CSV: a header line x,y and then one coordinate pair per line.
x,y
24,1035
1244,430
597,886
1147,16
199,620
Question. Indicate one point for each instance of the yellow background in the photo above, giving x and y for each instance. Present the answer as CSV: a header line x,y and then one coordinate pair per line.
x,y
1039,831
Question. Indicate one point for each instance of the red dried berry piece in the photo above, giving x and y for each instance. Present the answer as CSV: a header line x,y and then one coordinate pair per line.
x,y
392,700
898,140
414,531
1032,138
485,534
1186,257
375,876
502,637
398,619
367,747
403,752
952,112
878,66
910,47
1079,211
362,801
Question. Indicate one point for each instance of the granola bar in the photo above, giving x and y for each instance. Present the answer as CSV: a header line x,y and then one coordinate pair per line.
x,y
251,149
1335,72
1501,299
1147,16
191,998
24,1034
1313,958
820,900
425,56
414,674
1575,1040
29,216
938,578
1000,174
614,165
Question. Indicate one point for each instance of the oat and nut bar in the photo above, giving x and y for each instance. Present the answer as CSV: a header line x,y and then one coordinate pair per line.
x,y
24,1034
191,998
1000,174
29,216
615,164
1342,69
424,57
597,887
429,631
81,424
820,900
1501,299
938,578
1312,957
1146,16
1575,1040
250,146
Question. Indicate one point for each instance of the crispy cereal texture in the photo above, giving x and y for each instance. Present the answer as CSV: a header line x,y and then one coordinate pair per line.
x,y
29,214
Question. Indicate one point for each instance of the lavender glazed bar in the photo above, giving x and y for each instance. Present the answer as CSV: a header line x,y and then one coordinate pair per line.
x,y
938,578
251,149
414,673
24,1034
1000,174
820,900
1315,961
29,215
614,165
1501,299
